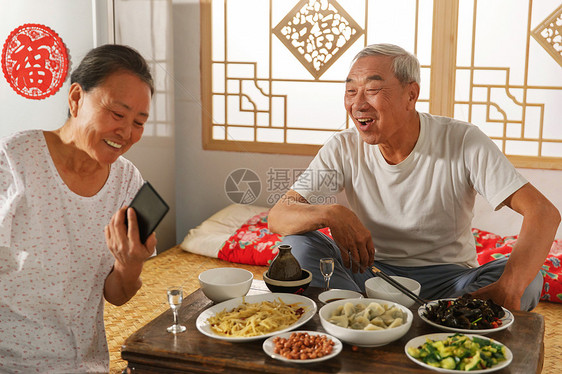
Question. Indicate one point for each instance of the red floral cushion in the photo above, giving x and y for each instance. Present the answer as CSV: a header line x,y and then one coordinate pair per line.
x,y
253,243
491,246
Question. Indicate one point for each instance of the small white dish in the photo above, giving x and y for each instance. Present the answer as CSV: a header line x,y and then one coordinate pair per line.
x,y
420,340
222,284
337,294
269,346
378,288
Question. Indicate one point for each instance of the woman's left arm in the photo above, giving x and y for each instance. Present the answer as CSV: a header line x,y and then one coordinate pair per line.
x,y
123,241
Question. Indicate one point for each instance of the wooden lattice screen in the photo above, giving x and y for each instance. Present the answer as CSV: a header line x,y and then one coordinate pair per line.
x,y
273,71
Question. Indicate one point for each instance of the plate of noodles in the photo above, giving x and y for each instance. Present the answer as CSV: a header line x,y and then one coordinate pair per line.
x,y
255,317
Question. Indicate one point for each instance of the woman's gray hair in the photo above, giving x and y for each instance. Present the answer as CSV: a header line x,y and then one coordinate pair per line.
x,y
100,62
406,66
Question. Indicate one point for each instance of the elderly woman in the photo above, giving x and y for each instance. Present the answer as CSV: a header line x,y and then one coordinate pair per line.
x,y
64,244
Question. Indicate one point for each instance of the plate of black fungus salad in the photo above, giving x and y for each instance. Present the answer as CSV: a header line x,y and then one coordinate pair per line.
x,y
466,315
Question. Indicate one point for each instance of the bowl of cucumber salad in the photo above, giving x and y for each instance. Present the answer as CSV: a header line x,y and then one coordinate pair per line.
x,y
451,353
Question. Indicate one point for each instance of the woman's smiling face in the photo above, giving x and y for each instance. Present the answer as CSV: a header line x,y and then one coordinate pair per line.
x,y
110,117
376,100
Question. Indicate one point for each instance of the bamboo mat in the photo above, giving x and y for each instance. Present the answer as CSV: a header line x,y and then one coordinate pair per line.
x,y
177,267
552,313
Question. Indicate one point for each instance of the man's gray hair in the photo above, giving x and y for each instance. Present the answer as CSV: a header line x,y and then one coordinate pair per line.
x,y
405,65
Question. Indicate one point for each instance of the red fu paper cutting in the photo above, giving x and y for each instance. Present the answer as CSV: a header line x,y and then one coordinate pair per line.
x,y
34,61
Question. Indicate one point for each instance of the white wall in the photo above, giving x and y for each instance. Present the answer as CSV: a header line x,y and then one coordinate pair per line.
x,y
507,222
201,175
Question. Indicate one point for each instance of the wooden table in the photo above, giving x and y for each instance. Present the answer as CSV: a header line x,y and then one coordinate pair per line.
x,y
153,350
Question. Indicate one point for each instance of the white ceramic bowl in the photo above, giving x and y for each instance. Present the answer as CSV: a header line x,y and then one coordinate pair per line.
x,y
337,294
222,284
378,288
364,338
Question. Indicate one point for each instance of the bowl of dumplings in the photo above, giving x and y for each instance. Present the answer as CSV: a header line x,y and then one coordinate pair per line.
x,y
366,322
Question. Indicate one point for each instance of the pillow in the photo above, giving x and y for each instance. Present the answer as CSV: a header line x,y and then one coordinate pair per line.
x,y
253,243
208,238
490,247
238,233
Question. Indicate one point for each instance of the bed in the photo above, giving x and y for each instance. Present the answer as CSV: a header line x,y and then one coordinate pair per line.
x,y
237,236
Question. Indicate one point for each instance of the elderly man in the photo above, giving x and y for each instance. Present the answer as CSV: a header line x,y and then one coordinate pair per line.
x,y
411,179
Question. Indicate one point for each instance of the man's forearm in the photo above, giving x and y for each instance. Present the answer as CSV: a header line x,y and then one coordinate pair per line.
x,y
532,246
540,223
293,215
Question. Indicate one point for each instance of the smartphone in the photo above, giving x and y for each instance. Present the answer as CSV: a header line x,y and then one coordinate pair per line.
x,y
150,208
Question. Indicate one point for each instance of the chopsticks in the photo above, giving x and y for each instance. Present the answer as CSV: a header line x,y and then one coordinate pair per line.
x,y
397,285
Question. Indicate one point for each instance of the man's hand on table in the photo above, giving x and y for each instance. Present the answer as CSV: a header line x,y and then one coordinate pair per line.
x,y
501,295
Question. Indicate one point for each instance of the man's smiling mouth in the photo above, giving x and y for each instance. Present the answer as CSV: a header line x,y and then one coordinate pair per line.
x,y
364,121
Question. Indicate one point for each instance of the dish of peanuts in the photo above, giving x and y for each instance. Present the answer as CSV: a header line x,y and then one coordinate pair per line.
x,y
302,346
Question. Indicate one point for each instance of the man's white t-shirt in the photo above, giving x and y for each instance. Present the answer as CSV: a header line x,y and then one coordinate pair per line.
x,y
53,260
419,211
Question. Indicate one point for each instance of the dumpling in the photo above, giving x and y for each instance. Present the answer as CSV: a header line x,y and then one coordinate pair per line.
x,y
377,321
390,315
338,311
359,323
348,309
373,310
397,322
360,307
371,327
395,312
341,321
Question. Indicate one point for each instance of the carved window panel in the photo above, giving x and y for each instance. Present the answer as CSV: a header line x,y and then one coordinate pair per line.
x,y
509,76
273,71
